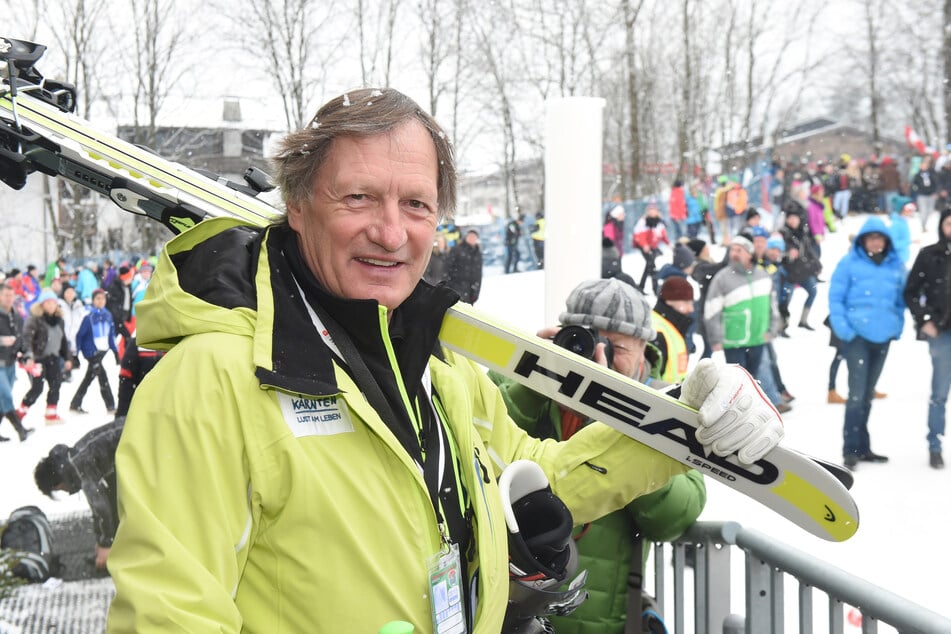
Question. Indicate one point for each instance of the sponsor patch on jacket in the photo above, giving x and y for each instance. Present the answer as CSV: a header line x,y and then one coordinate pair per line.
x,y
315,416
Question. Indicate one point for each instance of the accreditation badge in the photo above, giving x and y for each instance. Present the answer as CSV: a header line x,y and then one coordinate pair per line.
x,y
445,592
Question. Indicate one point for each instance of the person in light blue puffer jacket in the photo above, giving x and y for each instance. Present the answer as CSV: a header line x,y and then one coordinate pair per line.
x,y
866,311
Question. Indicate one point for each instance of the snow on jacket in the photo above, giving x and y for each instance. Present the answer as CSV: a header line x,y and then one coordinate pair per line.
x,y
97,333
253,517
866,299
741,307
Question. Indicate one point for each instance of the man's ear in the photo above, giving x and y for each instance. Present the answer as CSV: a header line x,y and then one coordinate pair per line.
x,y
293,214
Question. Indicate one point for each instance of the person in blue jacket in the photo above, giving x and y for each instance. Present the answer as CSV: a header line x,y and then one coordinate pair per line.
x,y
96,337
866,311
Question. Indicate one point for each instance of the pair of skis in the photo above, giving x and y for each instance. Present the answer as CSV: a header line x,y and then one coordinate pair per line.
x,y
39,133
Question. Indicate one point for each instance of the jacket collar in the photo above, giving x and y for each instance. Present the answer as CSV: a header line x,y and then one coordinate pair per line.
x,y
300,361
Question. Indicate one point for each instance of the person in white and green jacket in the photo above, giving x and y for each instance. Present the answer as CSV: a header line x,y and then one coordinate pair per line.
x,y
740,315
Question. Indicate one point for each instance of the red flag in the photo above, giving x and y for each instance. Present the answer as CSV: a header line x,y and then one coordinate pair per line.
x,y
916,142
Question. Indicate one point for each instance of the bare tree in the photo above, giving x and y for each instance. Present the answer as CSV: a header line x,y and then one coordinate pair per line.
x,y
946,63
376,26
494,31
158,64
629,11
78,38
298,40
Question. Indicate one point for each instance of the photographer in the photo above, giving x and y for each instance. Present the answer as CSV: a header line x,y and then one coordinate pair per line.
x,y
614,546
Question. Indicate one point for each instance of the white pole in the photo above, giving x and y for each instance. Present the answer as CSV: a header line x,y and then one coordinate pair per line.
x,y
572,197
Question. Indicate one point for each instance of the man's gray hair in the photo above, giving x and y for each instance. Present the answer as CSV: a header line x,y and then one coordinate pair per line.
x,y
365,112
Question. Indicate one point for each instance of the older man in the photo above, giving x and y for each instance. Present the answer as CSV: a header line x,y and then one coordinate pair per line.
x,y
741,312
305,457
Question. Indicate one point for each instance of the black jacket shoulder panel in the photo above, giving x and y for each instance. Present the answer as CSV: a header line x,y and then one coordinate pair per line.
x,y
221,269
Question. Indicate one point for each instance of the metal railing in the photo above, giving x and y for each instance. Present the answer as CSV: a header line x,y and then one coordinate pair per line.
x,y
769,563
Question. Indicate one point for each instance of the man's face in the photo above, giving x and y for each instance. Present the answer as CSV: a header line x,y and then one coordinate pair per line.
x,y
793,220
759,246
740,255
367,230
946,227
628,352
682,306
472,239
6,299
99,300
50,306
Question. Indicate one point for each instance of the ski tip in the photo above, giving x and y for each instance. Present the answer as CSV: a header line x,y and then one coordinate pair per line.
x,y
840,473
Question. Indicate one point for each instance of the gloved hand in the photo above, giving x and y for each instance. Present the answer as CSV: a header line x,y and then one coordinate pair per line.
x,y
735,415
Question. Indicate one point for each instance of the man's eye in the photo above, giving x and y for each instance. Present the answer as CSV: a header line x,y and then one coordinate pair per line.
x,y
357,196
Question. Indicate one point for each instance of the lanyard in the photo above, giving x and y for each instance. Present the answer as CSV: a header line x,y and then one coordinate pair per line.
x,y
426,450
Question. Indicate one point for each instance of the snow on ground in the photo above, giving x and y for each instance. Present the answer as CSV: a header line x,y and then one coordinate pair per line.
x,y
905,506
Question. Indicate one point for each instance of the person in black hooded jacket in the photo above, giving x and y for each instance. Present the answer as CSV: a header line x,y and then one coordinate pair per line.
x,y
465,268
928,297
88,466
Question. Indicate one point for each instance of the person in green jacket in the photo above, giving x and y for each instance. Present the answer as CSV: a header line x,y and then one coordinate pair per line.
x,y
307,457
606,546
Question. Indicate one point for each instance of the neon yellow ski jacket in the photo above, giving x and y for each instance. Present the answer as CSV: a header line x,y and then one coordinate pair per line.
x,y
232,522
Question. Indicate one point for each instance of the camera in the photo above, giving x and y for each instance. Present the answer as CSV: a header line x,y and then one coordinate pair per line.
x,y
582,340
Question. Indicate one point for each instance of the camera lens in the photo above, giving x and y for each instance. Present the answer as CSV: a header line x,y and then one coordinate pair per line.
x,y
577,339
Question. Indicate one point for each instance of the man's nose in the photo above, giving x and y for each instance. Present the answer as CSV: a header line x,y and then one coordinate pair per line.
x,y
387,228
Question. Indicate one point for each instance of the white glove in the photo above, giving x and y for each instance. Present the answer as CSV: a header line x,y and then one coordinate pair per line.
x,y
735,415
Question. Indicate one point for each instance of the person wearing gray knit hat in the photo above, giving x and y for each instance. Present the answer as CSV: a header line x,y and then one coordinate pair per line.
x,y
609,305
741,241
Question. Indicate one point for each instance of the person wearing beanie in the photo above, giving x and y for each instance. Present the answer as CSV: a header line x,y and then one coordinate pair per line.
x,y
672,318
867,312
928,298
46,354
740,313
621,314
698,247
683,265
